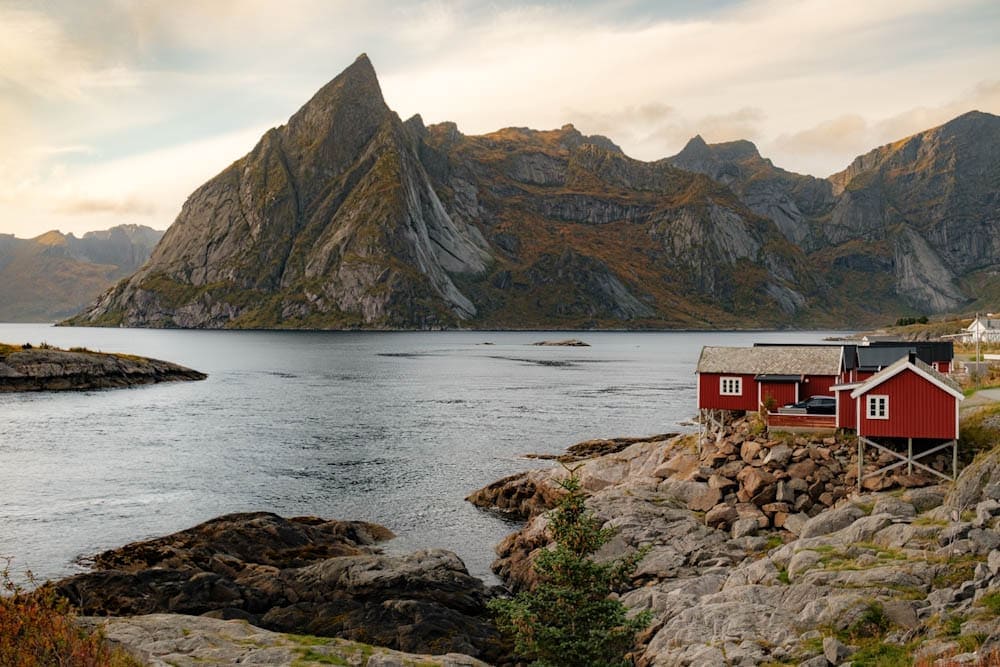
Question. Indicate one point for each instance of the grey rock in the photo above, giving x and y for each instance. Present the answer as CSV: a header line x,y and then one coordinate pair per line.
x,y
993,562
954,532
834,650
815,661
924,498
778,455
984,540
894,507
795,523
744,527
831,521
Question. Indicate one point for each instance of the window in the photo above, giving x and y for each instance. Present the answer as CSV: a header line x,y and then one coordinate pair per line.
x,y
878,407
731,386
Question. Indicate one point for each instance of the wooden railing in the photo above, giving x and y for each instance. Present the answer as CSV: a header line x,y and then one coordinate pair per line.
x,y
785,420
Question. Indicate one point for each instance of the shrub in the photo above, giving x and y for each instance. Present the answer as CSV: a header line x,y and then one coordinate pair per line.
x,y
569,618
38,629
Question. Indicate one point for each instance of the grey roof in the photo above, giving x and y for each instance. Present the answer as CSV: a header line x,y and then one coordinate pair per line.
x,y
779,360
879,357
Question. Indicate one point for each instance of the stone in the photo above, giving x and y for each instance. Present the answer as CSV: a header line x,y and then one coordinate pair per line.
x,y
924,499
705,501
52,369
984,541
956,531
985,511
784,493
831,520
753,480
175,639
717,481
802,469
744,528
795,523
680,466
304,575
993,562
802,562
778,455
749,450
721,515
772,508
894,507
835,650
815,661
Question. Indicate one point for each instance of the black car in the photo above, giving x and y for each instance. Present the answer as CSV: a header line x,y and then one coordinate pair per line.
x,y
816,405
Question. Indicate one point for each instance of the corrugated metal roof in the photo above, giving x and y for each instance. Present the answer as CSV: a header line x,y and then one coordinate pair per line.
x,y
782,360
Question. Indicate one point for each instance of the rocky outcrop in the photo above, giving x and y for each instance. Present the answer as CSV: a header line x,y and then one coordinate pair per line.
x,y
175,640
27,368
896,572
303,575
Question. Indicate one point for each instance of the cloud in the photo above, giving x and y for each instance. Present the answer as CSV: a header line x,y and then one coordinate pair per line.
x,y
125,207
845,137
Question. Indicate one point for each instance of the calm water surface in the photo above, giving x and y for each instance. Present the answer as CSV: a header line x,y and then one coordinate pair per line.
x,y
395,428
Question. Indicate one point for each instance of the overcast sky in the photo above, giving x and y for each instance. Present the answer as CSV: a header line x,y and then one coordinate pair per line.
x,y
113,111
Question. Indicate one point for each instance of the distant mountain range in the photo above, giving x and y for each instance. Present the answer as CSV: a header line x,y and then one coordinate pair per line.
x,y
348,217
54,275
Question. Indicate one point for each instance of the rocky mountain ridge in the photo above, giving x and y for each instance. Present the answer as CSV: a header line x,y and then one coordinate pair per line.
x,y
348,217
54,275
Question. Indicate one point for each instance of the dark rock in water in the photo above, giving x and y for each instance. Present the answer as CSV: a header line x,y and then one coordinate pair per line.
x,y
303,575
47,369
569,342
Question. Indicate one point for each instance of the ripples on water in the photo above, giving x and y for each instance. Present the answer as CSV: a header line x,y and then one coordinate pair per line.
x,y
395,428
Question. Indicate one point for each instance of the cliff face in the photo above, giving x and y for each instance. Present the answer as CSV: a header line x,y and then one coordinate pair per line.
x,y
912,224
347,217
55,275
329,221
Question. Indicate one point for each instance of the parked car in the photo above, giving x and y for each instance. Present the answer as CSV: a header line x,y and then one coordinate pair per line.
x,y
814,405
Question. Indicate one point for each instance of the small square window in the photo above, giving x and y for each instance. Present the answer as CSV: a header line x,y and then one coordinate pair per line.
x,y
878,407
731,386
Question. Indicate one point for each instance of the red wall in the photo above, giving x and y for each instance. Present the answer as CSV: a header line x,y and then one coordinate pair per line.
x,y
817,385
783,392
709,397
917,409
846,410
944,367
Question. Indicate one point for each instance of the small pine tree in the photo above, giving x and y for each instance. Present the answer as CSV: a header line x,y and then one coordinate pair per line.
x,y
569,619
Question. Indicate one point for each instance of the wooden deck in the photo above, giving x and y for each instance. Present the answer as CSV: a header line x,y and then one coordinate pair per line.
x,y
812,422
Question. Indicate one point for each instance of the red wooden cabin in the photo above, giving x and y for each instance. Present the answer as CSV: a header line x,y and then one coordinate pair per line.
x,y
744,378
908,399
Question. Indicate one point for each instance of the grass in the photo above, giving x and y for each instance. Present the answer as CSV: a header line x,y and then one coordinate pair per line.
x,y
38,629
979,430
879,654
991,601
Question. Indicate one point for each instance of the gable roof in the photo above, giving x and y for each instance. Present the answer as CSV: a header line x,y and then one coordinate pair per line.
x,y
766,360
918,367
983,323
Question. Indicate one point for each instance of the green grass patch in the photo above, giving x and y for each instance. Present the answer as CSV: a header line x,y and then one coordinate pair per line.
x,y
991,601
879,654
783,576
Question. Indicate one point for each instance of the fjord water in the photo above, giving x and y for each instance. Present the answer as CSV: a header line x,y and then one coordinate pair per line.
x,y
395,428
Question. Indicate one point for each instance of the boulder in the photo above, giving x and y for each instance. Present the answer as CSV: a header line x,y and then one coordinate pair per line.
x,y
835,650
831,521
303,575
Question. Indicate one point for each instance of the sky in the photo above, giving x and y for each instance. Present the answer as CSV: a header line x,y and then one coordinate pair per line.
x,y
114,111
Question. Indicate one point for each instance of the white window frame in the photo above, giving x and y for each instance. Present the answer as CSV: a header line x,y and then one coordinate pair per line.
x,y
877,406
730,386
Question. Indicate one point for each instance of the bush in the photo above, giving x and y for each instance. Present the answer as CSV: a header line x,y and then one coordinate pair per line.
x,y
569,618
38,629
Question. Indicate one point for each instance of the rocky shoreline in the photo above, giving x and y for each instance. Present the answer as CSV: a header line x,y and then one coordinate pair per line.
x,y
759,551
28,368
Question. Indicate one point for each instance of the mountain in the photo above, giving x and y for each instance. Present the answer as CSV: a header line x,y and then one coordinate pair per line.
x,y
348,217
54,275
912,225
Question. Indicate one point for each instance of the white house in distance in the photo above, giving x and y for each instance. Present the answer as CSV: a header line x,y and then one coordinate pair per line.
x,y
984,329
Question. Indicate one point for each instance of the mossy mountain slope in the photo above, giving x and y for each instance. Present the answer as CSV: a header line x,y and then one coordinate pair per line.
x,y
54,275
328,222
346,217
912,224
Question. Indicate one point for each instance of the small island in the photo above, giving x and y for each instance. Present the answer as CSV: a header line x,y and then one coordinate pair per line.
x,y
569,342
45,368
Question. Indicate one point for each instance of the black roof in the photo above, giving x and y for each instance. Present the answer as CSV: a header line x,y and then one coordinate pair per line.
x,y
879,355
